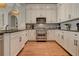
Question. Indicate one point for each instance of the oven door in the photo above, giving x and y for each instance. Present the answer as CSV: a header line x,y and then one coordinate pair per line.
x,y
41,35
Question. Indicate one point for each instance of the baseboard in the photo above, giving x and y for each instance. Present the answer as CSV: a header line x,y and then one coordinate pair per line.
x,y
63,48
41,41
31,40
22,48
20,51
26,42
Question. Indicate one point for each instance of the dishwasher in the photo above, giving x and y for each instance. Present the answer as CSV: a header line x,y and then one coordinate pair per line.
x,y
1,45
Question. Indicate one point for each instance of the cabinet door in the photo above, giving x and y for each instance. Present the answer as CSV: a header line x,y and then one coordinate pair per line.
x,y
1,45
61,38
50,35
66,40
72,44
31,35
58,13
73,11
27,34
24,36
77,10
1,21
61,13
77,42
13,45
57,35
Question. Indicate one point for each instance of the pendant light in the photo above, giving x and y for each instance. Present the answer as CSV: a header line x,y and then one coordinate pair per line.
x,y
2,5
15,12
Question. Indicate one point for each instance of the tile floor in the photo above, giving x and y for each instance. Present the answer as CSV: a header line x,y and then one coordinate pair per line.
x,y
43,49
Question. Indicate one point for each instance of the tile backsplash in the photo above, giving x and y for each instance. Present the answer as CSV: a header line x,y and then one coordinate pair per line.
x,y
72,23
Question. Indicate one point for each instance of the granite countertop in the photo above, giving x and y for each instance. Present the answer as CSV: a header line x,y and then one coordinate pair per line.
x,y
9,31
68,30
12,31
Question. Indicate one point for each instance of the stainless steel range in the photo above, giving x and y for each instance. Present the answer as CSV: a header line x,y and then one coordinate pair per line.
x,y
41,35
41,32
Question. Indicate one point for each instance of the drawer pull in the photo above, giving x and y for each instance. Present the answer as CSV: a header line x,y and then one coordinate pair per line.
x,y
76,42
75,34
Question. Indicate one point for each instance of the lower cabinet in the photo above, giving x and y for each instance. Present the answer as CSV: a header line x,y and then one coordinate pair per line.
x,y
75,43
69,41
66,40
31,34
50,34
14,44
59,37
72,43
17,42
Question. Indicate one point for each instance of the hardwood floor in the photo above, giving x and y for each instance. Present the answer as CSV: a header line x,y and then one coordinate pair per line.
x,y
43,49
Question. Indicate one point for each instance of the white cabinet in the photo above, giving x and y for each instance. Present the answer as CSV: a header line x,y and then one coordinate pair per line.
x,y
57,35
75,10
73,43
41,10
72,11
67,11
51,16
31,16
63,12
17,42
24,34
69,41
1,45
14,44
1,21
31,34
66,40
77,44
22,38
6,44
60,37
60,12
50,35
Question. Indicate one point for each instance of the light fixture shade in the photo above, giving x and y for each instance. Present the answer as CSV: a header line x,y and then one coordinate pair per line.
x,y
15,12
3,5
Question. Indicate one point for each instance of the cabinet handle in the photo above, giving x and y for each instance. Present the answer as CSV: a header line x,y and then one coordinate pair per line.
x,y
20,39
76,42
62,37
58,35
69,16
75,34
26,34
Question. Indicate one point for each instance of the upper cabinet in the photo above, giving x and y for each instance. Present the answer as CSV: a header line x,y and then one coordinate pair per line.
x,y
74,10
62,12
67,11
1,21
41,10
